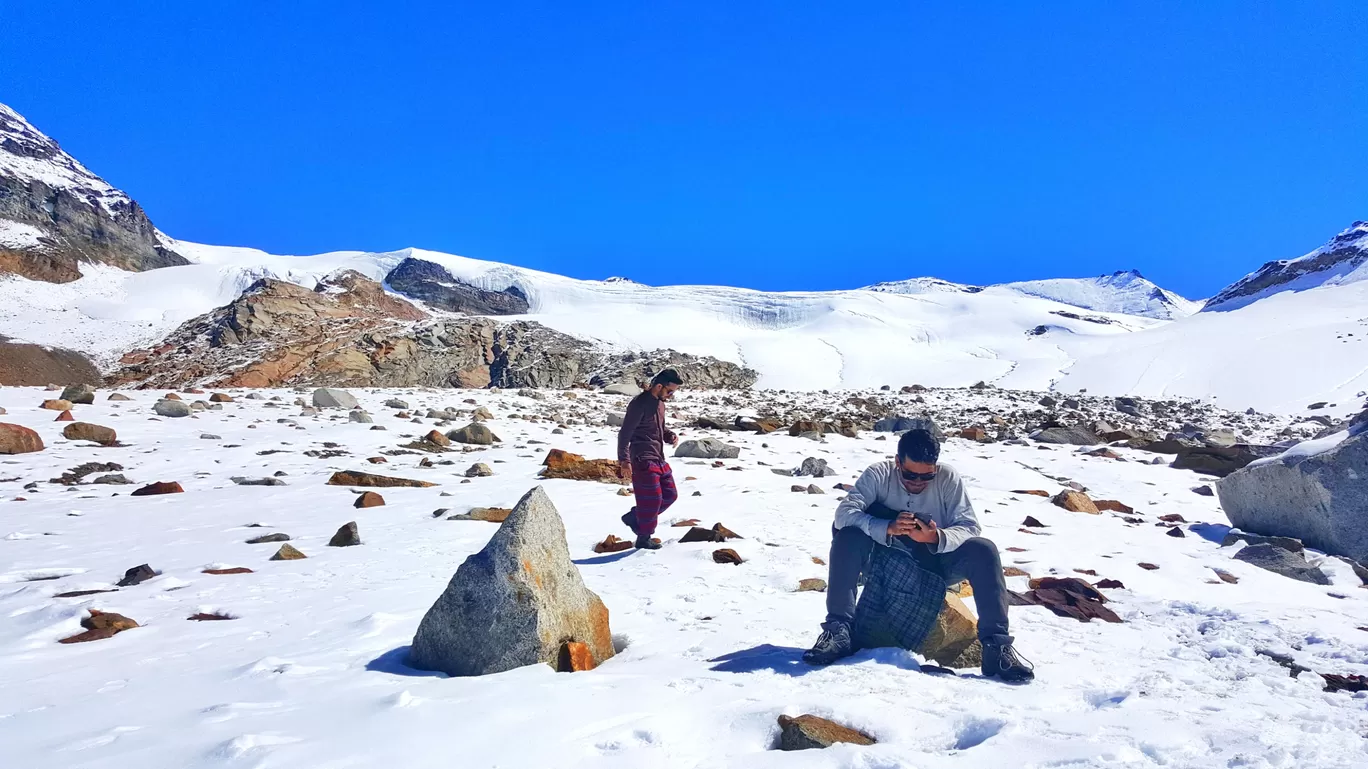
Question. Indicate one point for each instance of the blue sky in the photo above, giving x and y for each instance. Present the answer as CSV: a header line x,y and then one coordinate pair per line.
x,y
776,145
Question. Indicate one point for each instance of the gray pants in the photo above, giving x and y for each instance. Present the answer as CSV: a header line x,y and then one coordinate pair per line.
x,y
976,560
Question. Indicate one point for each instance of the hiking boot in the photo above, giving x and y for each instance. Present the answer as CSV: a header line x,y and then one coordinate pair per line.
x,y
644,542
1002,661
833,644
629,520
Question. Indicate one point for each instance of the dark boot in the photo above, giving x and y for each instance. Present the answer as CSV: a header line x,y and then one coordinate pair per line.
x,y
1001,661
629,520
644,542
833,644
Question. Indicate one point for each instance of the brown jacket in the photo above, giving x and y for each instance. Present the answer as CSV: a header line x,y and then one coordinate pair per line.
x,y
643,436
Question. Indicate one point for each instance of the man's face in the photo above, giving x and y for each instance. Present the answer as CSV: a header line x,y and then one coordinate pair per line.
x,y
916,476
667,391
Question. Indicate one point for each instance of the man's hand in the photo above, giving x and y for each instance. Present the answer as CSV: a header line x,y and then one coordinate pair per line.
x,y
908,525
674,439
624,469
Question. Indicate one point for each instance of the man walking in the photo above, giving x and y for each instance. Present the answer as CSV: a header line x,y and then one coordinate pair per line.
x,y
641,456
919,505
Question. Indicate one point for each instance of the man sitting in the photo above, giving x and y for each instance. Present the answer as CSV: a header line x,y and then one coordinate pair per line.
x,y
918,505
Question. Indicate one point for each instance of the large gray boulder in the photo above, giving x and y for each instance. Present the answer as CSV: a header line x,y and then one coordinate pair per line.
x,y
707,448
333,398
622,388
170,408
1320,497
475,434
79,393
1071,436
517,602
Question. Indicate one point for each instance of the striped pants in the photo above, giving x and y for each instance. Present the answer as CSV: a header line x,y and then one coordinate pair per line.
x,y
654,486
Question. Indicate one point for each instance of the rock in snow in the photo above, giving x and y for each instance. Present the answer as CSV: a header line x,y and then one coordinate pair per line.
x,y
333,398
1319,497
514,603
707,448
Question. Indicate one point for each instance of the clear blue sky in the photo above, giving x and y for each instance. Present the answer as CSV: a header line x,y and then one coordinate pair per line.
x,y
777,145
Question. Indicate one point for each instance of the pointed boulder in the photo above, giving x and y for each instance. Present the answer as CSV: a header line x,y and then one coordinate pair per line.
x,y
517,602
346,536
288,553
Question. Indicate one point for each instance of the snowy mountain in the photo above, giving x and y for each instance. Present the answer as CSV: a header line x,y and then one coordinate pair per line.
x,y
1126,292
55,214
1341,261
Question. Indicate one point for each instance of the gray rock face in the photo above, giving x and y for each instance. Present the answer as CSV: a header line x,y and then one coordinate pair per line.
x,y
333,398
1321,500
169,408
622,388
433,284
1342,254
360,417
1073,436
707,448
514,603
1284,562
698,372
80,217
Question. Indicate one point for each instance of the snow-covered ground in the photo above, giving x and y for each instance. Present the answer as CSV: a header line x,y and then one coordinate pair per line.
x,y
311,672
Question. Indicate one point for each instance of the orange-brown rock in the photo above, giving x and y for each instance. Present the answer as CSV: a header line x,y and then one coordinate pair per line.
x,y
65,416
369,499
355,478
575,657
160,487
1113,505
57,405
564,465
808,732
1033,492
220,398
612,545
1075,502
726,555
85,431
17,439
234,570
100,625
288,553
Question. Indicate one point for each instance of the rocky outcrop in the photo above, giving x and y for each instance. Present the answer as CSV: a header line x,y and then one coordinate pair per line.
x,y
698,373
517,602
1345,253
55,214
434,285
348,332
1320,498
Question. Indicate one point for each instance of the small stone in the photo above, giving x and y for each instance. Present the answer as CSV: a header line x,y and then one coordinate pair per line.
x,y
172,409
160,487
1204,491
1012,571
265,538
1075,502
812,585
1113,506
814,489
1147,566
368,499
353,478
220,398
807,732
65,416
288,553
234,570
100,625
726,555
612,545
479,470
1176,532
346,536
1033,492
57,405
1033,523
137,575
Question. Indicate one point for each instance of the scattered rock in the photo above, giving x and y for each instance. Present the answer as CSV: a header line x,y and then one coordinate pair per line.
x,y
288,553
1147,566
209,617
1034,493
1204,491
171,408
113,479
65,416
1283,562
1113,506
1032,522
79,393
1075,436
1236,536
564,465
137,575
808,732
707,448
817,468
220,398
1075,502
1069,597
474,434
1012,571
346,536
612,545
1111,584
488,514
332,398
1176,532
241,481
368,499
234,570
266,538
812,585
359,417
479,470
354,478
814,489
57,405
726,555
100,625
118,397
160,487
15,439
514,603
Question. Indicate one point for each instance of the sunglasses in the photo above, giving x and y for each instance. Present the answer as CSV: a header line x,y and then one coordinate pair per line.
x,y
908,475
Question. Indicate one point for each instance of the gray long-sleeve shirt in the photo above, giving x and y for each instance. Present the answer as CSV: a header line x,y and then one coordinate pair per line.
x,y
945,501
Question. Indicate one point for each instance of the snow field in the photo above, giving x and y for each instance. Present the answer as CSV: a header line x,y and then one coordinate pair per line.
x,y
311,672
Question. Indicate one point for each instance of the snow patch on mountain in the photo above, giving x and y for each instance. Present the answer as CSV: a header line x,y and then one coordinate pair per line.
x,y
32,156
1127,292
